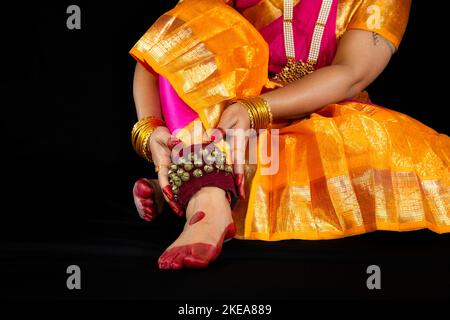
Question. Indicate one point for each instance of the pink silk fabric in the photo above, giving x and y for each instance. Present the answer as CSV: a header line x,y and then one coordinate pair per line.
x,y
177,114
304,22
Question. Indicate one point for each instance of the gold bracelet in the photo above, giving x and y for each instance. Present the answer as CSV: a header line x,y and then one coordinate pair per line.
x,y
259,112
141,133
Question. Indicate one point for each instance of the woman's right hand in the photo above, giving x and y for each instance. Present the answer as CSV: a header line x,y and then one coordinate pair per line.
x,y
161,143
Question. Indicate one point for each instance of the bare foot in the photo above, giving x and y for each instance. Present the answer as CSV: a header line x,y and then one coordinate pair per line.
x,y
148,198
209,223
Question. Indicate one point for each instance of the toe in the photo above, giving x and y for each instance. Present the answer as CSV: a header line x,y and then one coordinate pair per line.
x,y
165,261
177,261
143,189
143,198
194,262
200,255
147,203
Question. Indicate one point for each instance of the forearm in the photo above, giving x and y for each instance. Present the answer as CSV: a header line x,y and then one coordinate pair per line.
x,y
146,93
327,85
359,60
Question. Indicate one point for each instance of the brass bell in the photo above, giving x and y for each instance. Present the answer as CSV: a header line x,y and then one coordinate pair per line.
x,y
177,181
175,189
229,168
185,177
172,175
208,168
220,159
173,167
198,164
197,173
188,166
180,172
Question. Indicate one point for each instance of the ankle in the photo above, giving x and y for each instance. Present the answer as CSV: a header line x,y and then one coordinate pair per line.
x,y
208,194
208,199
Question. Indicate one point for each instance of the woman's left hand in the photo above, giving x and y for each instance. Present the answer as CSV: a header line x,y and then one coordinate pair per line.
x,y
236,122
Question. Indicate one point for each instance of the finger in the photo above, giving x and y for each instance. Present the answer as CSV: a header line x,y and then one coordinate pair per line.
x,y
175,206
240,184
239,152
169,196
224,124
163,181
218,134
172,142
167,190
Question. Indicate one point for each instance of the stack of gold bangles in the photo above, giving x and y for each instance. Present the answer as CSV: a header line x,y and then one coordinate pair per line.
x,y
259,112
140,134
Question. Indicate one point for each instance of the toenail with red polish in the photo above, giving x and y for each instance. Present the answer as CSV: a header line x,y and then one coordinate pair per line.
x,y
196,255
143,189
147,203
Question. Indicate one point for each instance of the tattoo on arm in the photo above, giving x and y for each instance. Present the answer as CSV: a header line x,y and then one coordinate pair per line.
x,y
376,38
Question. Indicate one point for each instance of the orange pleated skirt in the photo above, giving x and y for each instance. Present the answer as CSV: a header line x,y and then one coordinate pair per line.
x,y
349,169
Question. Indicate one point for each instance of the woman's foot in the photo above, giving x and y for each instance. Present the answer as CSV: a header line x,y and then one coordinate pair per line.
x,y
148,198
209,223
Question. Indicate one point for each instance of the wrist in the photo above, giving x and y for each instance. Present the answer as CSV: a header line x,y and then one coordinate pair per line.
x,y
259,112
141,134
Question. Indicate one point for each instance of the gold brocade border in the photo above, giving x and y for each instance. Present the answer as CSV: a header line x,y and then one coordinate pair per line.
x,y
265,12
404,227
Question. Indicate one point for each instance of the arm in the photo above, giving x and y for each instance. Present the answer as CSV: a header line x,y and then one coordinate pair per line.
x,y
145,93
160,143
360,58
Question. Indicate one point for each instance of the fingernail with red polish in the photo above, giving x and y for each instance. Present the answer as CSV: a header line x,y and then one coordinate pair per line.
x,y
243,187
175,208
167,190
173,142
228,197
240,185
239,177
179,211
242,192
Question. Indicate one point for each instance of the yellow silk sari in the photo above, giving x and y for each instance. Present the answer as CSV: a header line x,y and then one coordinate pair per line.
x,y
349,168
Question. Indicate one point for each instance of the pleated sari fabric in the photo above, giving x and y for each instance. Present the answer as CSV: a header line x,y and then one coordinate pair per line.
x,y
351,167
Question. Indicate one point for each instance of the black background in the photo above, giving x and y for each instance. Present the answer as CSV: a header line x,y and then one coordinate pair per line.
x,y
68,169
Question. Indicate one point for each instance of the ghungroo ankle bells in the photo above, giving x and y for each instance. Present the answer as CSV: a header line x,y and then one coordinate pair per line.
x,y
199,166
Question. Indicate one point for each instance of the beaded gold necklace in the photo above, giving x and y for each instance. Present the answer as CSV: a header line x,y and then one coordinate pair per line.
x,y
295,70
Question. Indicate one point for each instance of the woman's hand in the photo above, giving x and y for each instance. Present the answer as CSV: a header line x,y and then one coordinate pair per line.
x,y
235,119
161,143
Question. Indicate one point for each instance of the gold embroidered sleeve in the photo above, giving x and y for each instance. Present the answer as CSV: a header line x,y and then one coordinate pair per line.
x,y
387,18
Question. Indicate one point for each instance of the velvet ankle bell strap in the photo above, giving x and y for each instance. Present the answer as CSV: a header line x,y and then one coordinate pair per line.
x,y
200,166
222,180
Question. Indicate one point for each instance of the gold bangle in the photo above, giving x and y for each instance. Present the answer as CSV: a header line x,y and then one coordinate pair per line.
x,y
141,133
259,112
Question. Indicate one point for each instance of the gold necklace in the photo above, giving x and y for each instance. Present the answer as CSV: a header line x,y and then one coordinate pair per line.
x,y
295,70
